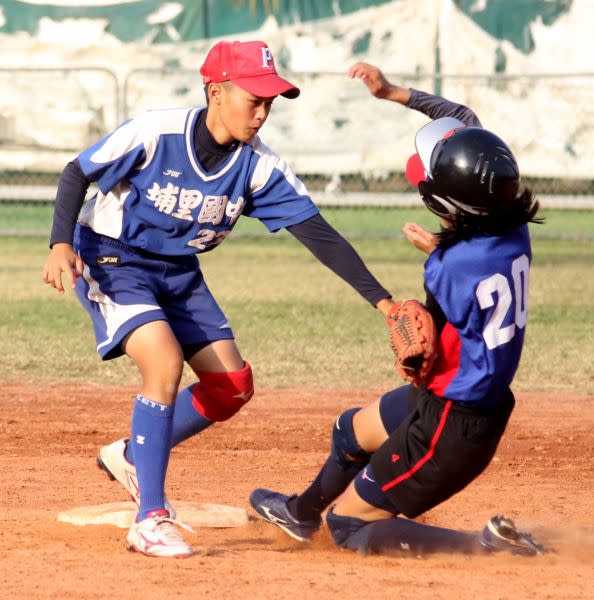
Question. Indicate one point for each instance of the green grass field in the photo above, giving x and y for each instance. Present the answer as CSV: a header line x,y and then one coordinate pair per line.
x,y
36,219
295,321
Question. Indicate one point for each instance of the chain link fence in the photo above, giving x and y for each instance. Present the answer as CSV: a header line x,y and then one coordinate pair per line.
x,y
348,147
47,116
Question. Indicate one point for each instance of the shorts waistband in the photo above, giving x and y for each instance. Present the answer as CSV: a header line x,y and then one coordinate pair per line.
x,y
89,234
501,405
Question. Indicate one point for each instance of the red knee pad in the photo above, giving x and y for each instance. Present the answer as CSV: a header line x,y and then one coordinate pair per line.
x,y
218,396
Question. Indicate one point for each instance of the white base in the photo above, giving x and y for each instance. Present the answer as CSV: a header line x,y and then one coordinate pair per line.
x,y
121,514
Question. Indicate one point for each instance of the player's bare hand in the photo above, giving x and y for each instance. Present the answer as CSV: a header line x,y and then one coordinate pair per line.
x,y
372,77
385,306
422,239
377,84
62,259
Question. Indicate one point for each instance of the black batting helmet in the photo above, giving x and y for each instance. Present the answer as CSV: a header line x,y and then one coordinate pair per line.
x,y
465,169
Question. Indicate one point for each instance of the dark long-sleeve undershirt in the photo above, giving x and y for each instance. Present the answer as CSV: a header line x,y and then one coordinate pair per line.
x,y
332,250
436,107
72,189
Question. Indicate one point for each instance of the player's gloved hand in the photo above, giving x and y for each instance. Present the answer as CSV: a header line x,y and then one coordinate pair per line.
x,y
62,259
414,340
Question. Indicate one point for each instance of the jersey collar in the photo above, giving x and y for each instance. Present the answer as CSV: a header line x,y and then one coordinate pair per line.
x,y
192,155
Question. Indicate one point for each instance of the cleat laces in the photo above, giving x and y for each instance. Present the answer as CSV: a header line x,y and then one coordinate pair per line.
x,y
169,532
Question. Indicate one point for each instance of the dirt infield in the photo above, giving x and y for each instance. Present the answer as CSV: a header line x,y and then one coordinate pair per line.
x,y
542,477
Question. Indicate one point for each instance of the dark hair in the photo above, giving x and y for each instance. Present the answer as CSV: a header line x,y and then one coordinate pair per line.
x,y
501,220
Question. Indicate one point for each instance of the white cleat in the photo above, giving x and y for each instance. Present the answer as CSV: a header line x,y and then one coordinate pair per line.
x,y
157,536
112,460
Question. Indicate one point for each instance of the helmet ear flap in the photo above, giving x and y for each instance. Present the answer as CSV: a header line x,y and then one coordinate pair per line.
x,y
425,188
434,202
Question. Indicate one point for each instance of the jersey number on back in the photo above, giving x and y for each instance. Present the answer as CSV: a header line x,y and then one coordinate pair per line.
x,y
494,333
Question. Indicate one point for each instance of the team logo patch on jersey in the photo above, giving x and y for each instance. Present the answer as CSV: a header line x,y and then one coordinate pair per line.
x,y
108,259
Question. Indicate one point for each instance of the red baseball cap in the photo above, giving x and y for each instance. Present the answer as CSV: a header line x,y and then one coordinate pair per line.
x,y
250,66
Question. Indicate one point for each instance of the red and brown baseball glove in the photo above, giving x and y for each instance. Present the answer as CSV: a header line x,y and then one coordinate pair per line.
x,y
414,340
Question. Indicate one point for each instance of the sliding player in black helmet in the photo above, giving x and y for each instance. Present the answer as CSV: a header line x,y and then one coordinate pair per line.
x,y
415,447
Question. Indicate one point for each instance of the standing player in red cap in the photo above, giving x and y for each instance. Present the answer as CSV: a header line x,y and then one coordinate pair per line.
x,y
172,184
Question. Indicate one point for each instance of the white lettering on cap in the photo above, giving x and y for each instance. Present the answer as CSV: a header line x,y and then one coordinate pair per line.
x,y
266,58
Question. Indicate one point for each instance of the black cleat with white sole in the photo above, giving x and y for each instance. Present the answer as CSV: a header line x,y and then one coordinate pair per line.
x,y
272,507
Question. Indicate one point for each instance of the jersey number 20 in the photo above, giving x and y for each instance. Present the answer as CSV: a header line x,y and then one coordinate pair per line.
x,y
494,334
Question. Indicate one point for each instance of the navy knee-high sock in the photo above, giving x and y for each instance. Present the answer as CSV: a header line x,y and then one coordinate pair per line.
x,y
187,422
331,481
398,535
151,443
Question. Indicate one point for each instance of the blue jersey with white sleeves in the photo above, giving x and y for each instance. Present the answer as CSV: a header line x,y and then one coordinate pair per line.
x,y
481,285
155,195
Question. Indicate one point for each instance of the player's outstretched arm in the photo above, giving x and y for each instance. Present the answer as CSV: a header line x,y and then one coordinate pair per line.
x,y
336,253
377,84
428,104
62,259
